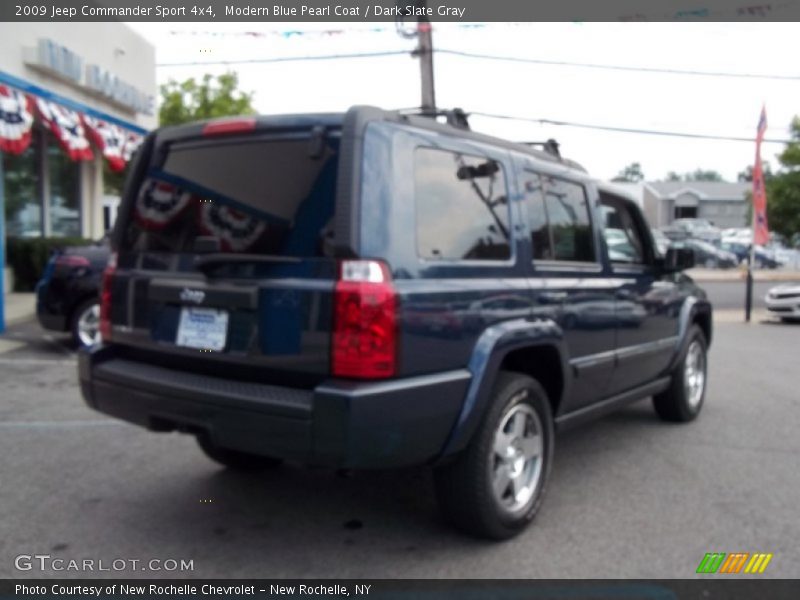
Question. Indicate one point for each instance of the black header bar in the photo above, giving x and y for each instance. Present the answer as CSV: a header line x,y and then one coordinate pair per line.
x,y
391,10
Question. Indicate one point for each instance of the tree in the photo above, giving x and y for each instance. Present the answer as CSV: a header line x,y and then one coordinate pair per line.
x,y
783,189
673,176
746,175
186,101
703,175
632,173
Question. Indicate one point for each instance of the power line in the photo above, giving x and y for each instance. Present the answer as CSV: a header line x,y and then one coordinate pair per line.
x,y
280,59
475,55
564,63
700,136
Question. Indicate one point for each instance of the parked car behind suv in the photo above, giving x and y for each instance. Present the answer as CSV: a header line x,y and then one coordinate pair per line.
x,y
67,295
273,284
700,229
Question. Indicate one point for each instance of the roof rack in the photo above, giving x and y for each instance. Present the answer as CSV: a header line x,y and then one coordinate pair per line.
x,y
550,146
456,117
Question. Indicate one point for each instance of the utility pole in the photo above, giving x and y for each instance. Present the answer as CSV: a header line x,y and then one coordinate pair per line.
x,y
425,53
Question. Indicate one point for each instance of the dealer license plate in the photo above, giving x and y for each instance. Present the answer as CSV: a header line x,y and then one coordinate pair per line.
x,y
203,328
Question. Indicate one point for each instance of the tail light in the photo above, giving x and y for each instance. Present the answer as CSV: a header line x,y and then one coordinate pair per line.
x,y
365,321
105,297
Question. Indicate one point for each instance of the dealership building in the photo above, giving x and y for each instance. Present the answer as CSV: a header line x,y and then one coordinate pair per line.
x,y
75,102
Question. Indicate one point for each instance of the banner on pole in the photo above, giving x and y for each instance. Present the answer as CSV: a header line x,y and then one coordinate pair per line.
x,y
760,227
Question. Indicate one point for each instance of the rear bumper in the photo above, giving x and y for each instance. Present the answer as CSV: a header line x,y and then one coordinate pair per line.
x,y
339,423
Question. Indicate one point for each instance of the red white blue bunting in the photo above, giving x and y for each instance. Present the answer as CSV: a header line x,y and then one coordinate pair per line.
x,y
116,144
73,130
66,125
132,143
235,230
16,120
159,203
109,139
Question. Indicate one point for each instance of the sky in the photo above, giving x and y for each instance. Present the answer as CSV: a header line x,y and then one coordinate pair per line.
x,y
724,106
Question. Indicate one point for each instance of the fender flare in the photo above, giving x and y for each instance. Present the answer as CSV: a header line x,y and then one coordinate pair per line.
x,y
692,307
488,353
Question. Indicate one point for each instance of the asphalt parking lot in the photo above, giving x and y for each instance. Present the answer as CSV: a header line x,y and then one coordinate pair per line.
x,y
629,496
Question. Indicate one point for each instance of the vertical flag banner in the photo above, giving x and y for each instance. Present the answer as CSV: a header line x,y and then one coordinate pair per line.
x,y
16,120
66,125
760,229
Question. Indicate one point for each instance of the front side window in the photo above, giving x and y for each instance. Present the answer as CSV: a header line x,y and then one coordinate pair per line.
x,y
622,235
559,220
461,207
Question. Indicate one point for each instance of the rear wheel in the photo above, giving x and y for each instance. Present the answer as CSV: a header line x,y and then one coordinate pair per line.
x,y
683,399
85,326
233,459
495,486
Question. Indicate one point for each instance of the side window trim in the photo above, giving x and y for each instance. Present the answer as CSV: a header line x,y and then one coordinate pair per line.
x,y
620,204
560,263
505,170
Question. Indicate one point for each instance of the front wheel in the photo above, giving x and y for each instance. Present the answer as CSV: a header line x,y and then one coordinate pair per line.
x,y
683,399
494,488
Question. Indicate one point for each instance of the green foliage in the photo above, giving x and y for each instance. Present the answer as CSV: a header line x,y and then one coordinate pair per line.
x,y
783,190
696,175
187,101
747,174
632,173
113,181
28,257
703,175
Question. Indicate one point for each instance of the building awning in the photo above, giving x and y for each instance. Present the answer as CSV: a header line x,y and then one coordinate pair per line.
x,y
77,132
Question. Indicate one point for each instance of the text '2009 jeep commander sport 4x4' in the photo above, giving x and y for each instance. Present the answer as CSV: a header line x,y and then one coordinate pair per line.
x,y
376,289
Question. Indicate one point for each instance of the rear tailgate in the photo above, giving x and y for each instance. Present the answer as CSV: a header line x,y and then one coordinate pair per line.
x,y
225,253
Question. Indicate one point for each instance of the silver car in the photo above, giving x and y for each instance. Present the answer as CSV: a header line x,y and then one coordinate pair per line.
x,y
784,301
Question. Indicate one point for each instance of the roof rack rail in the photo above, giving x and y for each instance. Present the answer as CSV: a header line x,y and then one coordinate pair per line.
x,y
550,146
456,117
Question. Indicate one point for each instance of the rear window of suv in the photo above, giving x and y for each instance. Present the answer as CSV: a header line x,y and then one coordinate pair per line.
x,y
246,195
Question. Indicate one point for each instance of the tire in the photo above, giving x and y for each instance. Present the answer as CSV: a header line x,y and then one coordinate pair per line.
x,y
683,399
85,323
233,459
464,487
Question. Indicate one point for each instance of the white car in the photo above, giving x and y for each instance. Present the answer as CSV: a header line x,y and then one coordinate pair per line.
x,y
784,301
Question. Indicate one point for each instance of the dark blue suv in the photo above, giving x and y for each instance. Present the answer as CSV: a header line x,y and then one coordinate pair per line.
x,y
376,289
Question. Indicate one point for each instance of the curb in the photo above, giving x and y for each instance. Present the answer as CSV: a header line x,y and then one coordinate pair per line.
x,y
735,275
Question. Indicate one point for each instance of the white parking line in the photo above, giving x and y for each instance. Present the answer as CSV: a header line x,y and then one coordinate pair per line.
x,y
4,360
50,424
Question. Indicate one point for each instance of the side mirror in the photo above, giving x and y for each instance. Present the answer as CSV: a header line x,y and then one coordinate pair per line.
x,y
678,259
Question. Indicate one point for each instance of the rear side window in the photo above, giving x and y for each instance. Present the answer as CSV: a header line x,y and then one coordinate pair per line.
x,y
253,196
559,219
461,207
